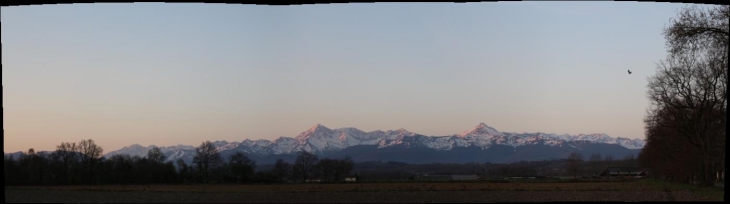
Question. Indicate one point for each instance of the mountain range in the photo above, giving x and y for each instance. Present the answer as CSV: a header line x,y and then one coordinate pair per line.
x,y
480,144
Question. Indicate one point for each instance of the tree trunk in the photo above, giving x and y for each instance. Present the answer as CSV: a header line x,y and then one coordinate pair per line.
x,y
65,175
40,175
706,176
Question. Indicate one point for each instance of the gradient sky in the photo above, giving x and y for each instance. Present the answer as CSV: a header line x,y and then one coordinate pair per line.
x,y
168,74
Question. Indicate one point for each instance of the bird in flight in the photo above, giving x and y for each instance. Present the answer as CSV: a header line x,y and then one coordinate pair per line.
x,y
629,71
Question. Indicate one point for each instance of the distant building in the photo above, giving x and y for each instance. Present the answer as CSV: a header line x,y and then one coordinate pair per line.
x,y
526,177
623,172
350,179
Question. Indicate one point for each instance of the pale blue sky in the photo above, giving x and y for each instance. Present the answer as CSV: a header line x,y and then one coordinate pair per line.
x,y
166,74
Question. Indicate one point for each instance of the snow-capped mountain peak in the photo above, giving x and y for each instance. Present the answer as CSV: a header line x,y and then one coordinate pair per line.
x,y
319,138
402,131
220,143
319,126
482,129
317,131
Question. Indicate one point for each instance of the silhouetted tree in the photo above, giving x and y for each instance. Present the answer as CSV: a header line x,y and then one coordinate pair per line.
x,y
595,160
265,177
206,158
169,174
156,155
690,85
325,168
282,169
8,165
575,161
241,167
666,153
66,154
343,167
82,164
183,170
305,164
14,171
121,168
90,154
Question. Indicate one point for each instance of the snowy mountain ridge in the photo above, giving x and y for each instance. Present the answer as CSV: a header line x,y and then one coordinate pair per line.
x,y
319,138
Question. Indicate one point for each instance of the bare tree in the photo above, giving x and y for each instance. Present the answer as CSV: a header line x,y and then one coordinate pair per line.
x,y
156,155
305,164
35,166
595,160
183,170
282,169
698,27
90,154
691,84
66,154
89,150
206,158
343,167
326,167
7,163
242,167
575,161
666,153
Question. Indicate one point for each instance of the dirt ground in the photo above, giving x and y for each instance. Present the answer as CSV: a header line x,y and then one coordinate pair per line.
x,y
82,196
353,193
359,187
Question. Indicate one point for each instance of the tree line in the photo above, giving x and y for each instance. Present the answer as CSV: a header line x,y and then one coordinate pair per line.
x,y
685,124
574,165
82,163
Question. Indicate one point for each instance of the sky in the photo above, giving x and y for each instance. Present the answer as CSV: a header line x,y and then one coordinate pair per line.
x,y
168,74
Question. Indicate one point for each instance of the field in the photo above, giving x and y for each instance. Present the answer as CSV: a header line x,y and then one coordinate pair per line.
x,y
421,192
